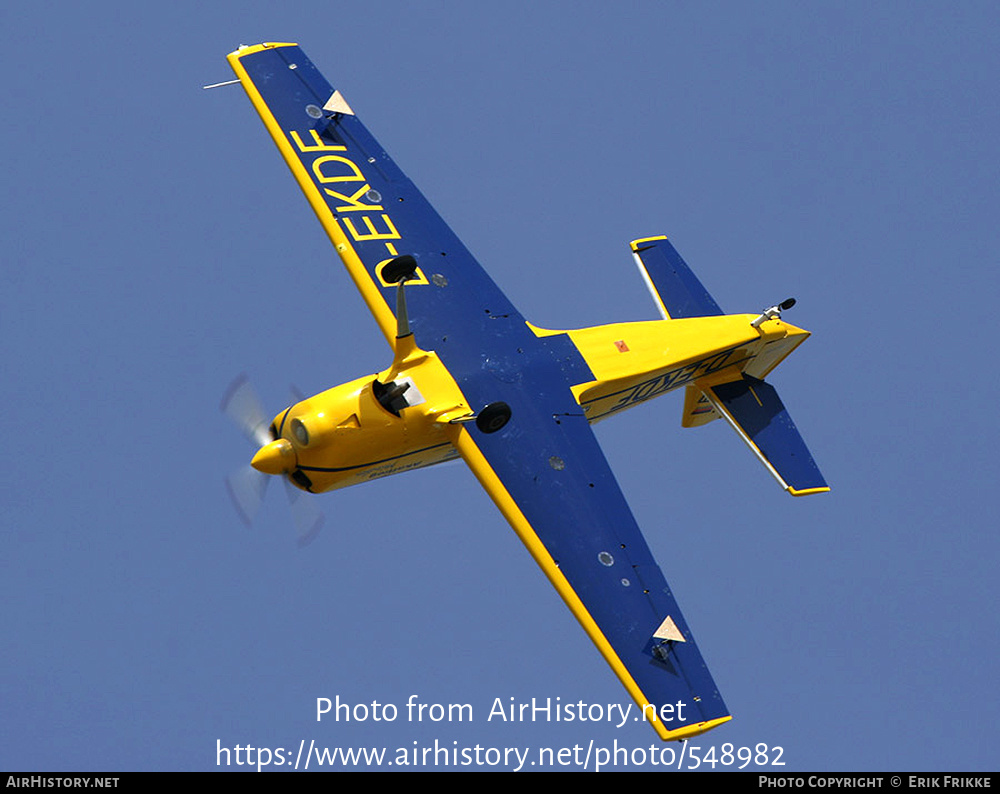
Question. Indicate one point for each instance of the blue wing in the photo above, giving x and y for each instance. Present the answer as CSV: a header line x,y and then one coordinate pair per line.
x,y
369,208
549,477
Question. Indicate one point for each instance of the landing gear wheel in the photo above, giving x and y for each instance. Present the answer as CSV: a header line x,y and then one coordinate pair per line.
x,y
400,268
493,417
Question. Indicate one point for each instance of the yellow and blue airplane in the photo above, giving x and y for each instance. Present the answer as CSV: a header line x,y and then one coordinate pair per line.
x,y
471,378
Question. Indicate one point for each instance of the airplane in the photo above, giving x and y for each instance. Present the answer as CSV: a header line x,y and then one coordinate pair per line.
x,y
471,378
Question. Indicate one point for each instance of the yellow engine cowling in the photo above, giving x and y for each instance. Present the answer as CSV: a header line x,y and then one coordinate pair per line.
x,y
344,436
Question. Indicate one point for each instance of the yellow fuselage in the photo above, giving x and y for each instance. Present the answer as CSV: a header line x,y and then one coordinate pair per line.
x,y
344,435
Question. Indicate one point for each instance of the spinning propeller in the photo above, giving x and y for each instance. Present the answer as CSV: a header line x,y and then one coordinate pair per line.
x,y
248,485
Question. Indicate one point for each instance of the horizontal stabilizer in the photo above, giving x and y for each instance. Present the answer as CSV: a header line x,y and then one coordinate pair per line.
x,y
676,290
755,411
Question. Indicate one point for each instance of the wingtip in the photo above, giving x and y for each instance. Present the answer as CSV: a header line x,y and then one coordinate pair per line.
x,y
250,49
688,731
808,491
635,244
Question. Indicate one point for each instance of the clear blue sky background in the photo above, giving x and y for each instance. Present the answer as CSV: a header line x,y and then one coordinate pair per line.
x,y
155,246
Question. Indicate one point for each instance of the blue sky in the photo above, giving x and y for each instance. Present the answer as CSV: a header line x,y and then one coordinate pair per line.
x,y
156,246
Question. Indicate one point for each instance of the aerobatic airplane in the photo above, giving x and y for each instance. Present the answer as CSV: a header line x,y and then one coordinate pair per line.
x,y
471,378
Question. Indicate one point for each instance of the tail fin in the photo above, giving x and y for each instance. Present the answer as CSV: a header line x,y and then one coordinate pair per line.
x,y
751,406
756,413
676,290
698,409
